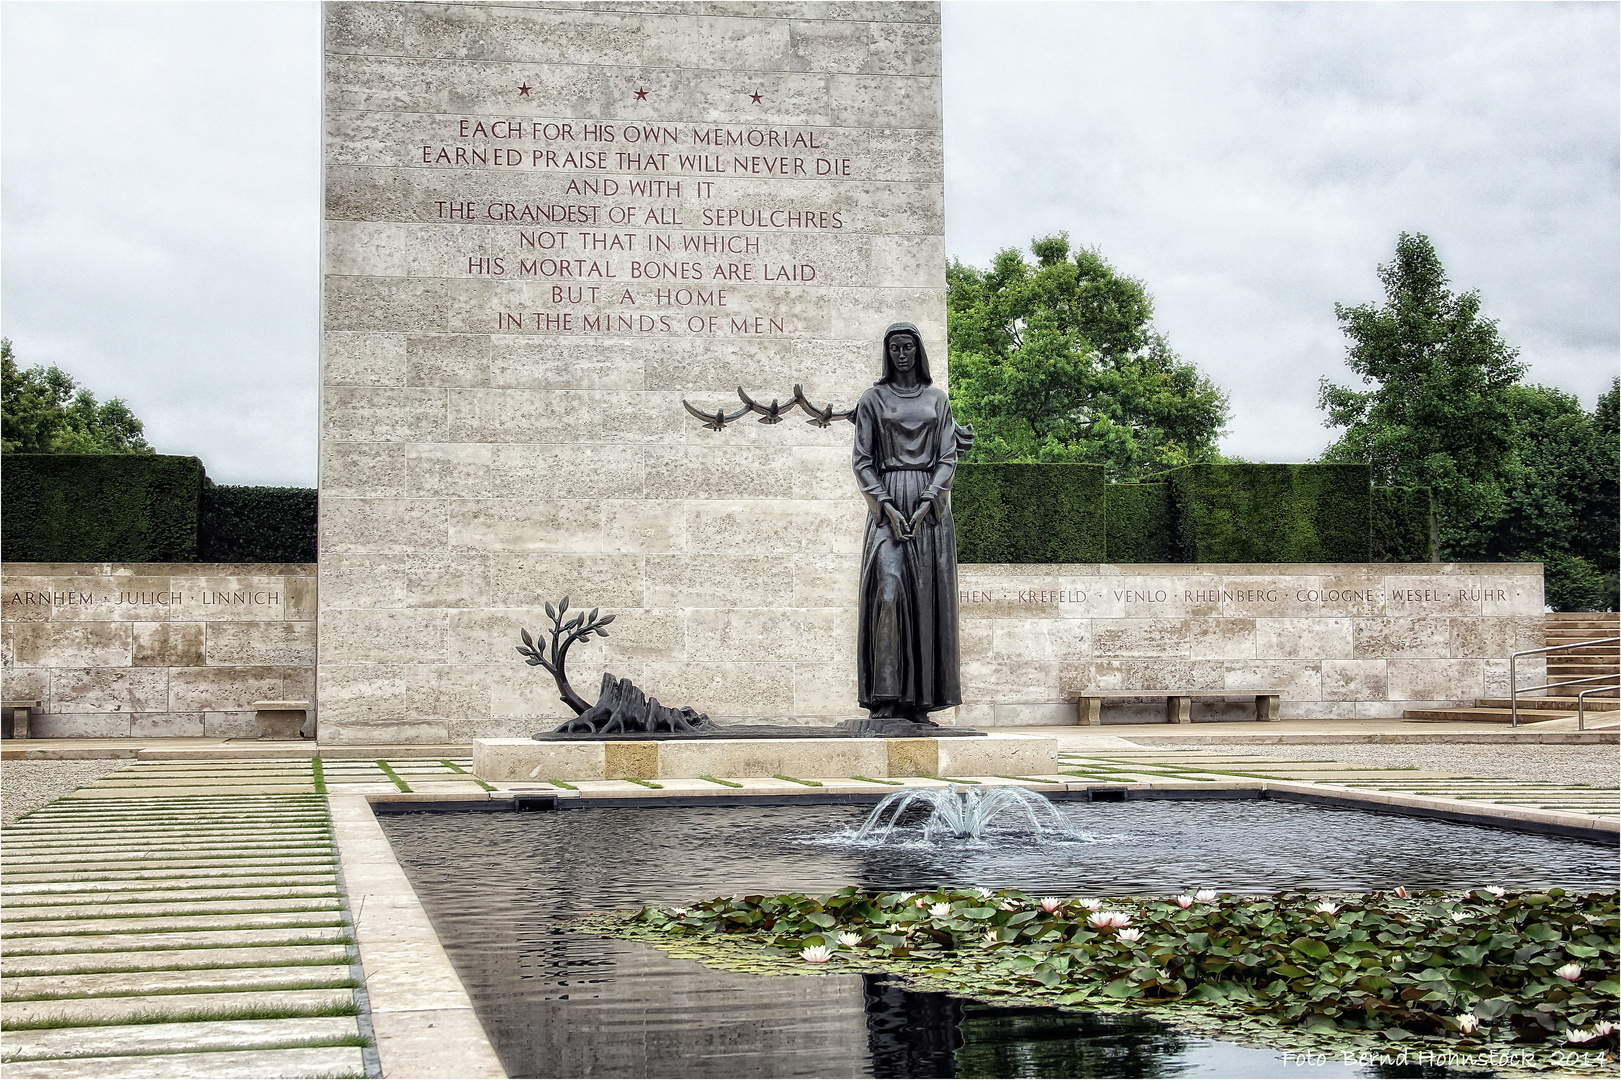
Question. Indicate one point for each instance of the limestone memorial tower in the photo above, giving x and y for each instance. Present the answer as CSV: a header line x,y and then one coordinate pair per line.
x,y
547,225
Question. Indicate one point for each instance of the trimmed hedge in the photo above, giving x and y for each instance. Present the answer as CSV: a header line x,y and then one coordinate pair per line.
x,y
1202,513
1231,513
1141,528
1030,513
258,524
1401,521
100,507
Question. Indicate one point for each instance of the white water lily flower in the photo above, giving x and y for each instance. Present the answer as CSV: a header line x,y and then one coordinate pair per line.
x,y
992,937
1578,1035
941,910
896,928
1050,904
985,894
1130,935
1101,919
1400,891
849,940
1090,903
678,912
816,954
1571,971
1009,905
1184,901
1118,919
1205,896
1459,916
1496,890
1467,1023
1602,1028
1326,908
902,897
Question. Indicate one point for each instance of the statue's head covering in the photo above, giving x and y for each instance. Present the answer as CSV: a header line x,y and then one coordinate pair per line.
x,y
923,375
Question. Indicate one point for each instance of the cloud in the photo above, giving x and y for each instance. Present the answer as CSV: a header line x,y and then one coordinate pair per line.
x,y
161,198
1253,164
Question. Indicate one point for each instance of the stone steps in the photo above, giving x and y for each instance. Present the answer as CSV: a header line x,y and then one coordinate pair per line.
x,y
154,918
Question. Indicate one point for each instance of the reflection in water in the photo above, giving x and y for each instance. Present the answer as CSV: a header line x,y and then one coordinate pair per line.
x,y
502,888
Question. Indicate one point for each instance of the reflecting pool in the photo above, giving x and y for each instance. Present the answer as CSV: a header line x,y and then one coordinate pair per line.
x,y
503,888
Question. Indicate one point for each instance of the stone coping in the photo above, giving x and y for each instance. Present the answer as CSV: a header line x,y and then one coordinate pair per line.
x,y
992,754
421,1016
1522,818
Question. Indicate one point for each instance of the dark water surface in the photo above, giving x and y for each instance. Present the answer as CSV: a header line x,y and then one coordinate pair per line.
x,y
502,889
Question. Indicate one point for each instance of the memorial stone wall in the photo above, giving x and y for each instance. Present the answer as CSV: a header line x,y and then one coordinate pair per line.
x,y
154,650
1335,641
545,226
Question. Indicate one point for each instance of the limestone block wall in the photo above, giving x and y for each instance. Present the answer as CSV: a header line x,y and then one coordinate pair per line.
x,y
155,649
545,226
1336,641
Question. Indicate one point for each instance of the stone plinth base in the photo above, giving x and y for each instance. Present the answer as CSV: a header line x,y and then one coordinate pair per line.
x,y
991,755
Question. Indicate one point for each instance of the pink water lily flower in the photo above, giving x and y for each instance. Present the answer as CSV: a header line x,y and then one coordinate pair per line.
x,y
1571,971
1090,903
1401,891
1205,896
1184,901
1101,919
816,954
1050,904
1130,935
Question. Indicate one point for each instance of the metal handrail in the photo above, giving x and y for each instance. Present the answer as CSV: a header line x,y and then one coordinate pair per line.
x,y
1581,701
1513,664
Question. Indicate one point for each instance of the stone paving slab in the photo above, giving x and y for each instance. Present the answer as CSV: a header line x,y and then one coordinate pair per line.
x,y
195,981
24,902
176,909
78,963
46,927
126,1039
244,1064
139,793
123,1010
324,868
89,945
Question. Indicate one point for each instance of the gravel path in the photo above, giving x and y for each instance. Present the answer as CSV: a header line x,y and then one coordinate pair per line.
x,y
25,786
1598,766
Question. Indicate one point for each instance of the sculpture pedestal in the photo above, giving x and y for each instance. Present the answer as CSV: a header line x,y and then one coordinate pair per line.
x,y
807,759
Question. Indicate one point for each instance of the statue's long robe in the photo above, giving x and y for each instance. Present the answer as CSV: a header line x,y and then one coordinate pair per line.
x,y
906,659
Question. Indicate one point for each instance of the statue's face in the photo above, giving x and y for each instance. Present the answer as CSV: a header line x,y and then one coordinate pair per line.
x,y
903,352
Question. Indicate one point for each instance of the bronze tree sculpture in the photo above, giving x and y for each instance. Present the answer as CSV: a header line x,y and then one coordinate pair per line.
x,y
621,707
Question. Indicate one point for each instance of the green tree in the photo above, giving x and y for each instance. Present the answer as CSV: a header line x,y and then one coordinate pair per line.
x,y
1561,493
43,411
1440,412
1058,361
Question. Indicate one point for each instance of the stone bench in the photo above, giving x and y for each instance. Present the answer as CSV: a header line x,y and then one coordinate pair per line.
x,y
280,719
1178,703
20,712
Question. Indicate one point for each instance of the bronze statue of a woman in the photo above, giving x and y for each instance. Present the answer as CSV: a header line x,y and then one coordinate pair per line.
x,y
906,450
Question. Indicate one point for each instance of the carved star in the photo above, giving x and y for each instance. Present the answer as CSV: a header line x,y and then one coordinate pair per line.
x,y
523,91
755,97
641,95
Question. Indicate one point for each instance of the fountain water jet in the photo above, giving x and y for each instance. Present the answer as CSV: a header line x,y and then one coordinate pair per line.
x,y
964,813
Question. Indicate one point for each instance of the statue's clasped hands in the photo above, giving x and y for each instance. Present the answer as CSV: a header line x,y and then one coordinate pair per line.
x,y
905,528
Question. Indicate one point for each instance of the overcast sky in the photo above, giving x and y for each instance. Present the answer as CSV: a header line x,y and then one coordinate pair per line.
x,y
1252,164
